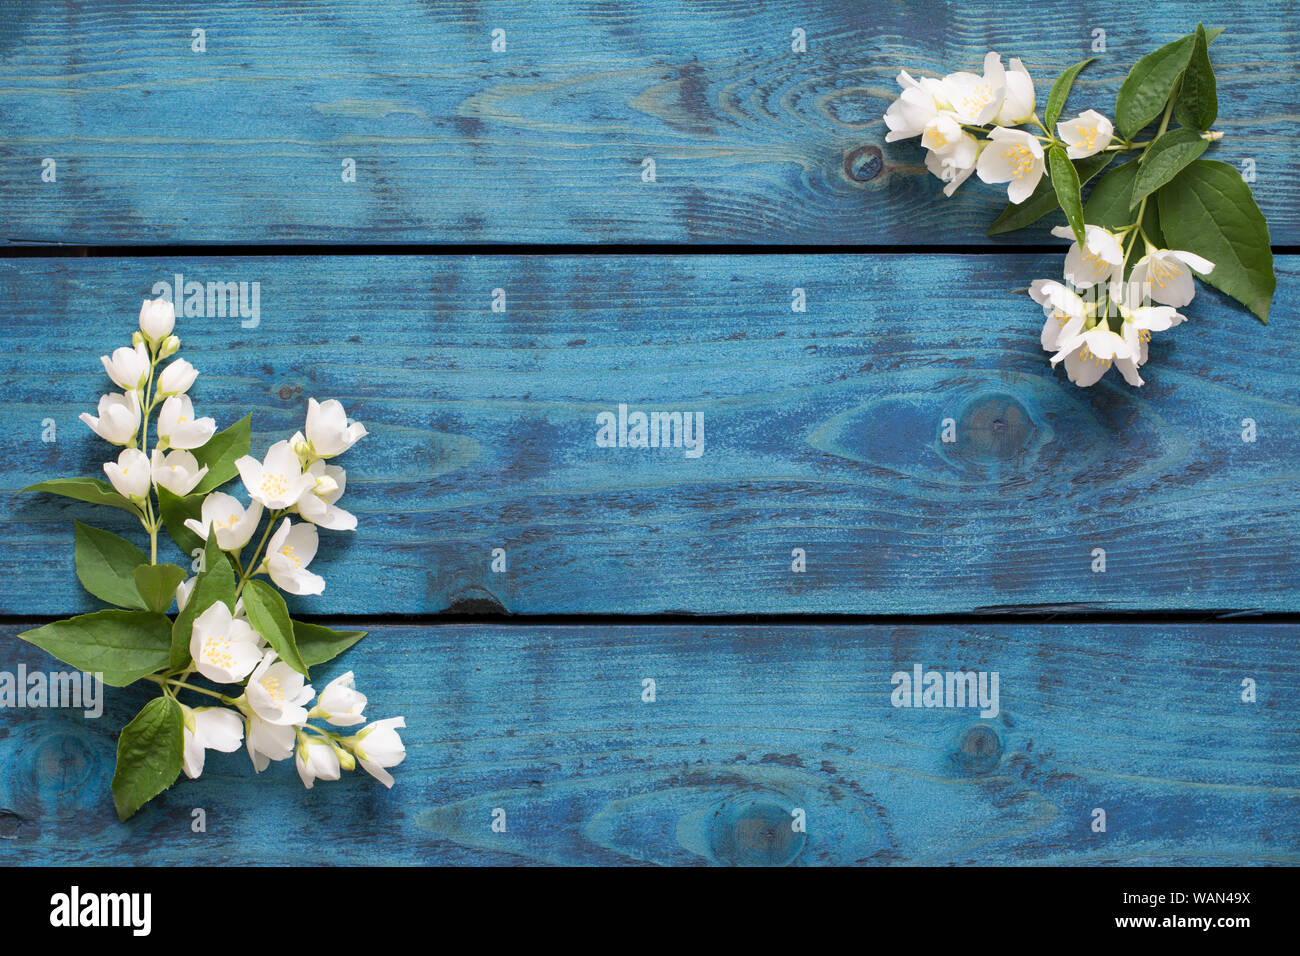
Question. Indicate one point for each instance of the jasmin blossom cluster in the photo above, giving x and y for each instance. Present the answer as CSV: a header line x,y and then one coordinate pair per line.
x,y
968,124
296,488
1095,319
1109,302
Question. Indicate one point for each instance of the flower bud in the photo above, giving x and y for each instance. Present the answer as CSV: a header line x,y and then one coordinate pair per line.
x,y
302,448
171,345
177,377
157,319
346,760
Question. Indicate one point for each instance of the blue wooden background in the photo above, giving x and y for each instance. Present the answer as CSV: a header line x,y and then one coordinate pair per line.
x,y
823,432
749,724
544,142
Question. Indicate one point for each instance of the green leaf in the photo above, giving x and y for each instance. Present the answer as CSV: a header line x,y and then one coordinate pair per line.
x,y
317,644
105,566
1197,103
157,585
1208,209
1164,159
174,510
1147,87
1065,180
92,490
122,646
1107,204
220,454
216,582
1043,199
1060,90
269,616
149,755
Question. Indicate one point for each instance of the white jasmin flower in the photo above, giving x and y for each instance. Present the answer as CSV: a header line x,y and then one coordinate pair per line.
x,y
950,145
340,702
225,650
942,134
157,319
210,728
1086,134
178,471
1089,354
950,168
178,428
267,741
277,482
316,760
1100,261
1166,275
128,367
291,549
317,504
1012,156
919,103
1141,321
952,151
183,592
233,522
328,428
176,378
119,418
129,475
1066,311
377,746
1018,106
276,693
977,99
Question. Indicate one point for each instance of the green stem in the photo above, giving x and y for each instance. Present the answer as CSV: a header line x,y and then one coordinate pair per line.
x,y
166,683
251,568
1049,138
1142,207
145,410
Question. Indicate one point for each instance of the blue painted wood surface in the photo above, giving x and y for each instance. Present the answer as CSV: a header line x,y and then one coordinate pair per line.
x,y
545,141
823,431
749,723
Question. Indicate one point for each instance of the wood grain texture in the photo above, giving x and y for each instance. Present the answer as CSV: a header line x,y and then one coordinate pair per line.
x,y
823,432
544,142
749,723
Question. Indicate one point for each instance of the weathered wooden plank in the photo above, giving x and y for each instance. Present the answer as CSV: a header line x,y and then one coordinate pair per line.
x,y
748,724
823,431
545,141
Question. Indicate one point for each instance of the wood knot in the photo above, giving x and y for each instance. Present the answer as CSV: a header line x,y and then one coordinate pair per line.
x,y
864,164
994,428
979,748
753,831
288,392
